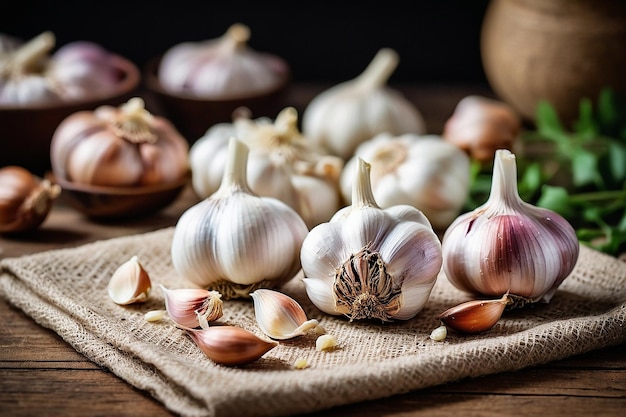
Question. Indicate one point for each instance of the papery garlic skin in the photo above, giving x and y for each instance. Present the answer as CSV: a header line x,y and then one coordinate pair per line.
x,y
508,245
236,241
423,171
349,113
118,146
279,316
225,67
371,263
282,163
193,307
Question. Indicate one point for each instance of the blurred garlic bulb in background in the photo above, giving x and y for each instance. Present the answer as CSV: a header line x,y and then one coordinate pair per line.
x,y
349,113
118,146
282,163
235,241
221,67
481,125
371,263
423,171
507,245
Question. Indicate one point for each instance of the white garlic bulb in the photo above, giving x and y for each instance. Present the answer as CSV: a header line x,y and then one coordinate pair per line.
x,y
508,245
235,241
349,113
420,170
221,67
371,263
282,163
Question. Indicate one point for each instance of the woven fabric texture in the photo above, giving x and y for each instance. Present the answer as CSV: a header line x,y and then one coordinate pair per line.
x,y
66,290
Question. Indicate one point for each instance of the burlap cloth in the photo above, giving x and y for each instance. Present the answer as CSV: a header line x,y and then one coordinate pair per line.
x,y
65,290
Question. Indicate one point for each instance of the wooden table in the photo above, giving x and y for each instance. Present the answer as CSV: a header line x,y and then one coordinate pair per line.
x,y
41,375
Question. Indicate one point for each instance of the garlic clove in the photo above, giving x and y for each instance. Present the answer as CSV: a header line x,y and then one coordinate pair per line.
x,y
475,316
130,283
191,307
439,334
280,316
231,345
326,342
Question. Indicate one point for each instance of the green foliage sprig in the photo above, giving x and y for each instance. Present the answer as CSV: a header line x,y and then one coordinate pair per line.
x,y
579,172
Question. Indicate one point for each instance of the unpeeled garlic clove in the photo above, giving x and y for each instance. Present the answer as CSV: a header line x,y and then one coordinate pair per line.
x,y
130,283
231,345
475,316
193,307
280,316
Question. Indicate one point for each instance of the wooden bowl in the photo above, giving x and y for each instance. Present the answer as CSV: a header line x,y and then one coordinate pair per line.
x,y
26,131
193,115
102,202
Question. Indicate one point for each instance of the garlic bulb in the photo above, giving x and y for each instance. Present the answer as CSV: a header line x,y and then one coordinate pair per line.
x,y
481,125
349,113
282,163
508,245
423,171
371,263
221,67
123,146
25,199
31,74
235,241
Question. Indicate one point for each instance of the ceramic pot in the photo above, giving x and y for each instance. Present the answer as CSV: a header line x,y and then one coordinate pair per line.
x,y
557,50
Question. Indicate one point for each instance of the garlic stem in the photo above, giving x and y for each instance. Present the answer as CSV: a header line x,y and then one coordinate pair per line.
x,y
379,70
504,197
236,37
235,172
362,194
30,54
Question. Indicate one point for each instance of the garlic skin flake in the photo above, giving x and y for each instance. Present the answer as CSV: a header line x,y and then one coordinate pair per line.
x,y
193,307
279,316
507,245
236,241
130,283
371,263
423,171
231,345
349,113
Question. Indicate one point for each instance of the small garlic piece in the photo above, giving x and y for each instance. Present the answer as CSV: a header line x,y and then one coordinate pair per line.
x,y
507,245
371,263
439,334
475,316
280,316
130,283
231,345
193,307
236,241
300,363
325,342
349,113
155,315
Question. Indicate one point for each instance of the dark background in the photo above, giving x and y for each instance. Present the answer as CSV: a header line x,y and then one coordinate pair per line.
x,y
438,41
